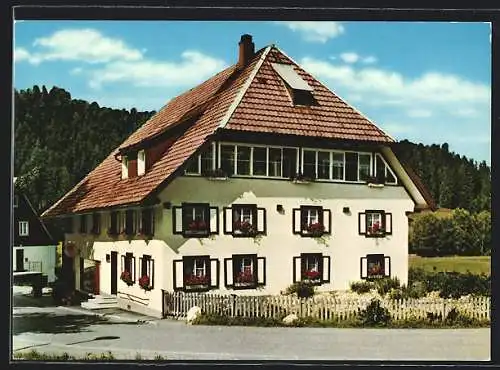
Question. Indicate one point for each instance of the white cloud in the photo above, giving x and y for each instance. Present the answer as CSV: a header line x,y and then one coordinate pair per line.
x,y
86,45
192,69
315,31
465,112
349,57
76,71
21,54
397,128
370,60
419,113
385,87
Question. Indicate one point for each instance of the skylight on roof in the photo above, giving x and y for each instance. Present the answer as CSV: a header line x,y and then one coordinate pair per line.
x,y
288,74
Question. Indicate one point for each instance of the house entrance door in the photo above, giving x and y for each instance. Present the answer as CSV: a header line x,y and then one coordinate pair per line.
x,y
114,272
20,260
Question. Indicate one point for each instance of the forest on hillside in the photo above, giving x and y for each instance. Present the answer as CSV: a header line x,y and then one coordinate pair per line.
x,y
58,140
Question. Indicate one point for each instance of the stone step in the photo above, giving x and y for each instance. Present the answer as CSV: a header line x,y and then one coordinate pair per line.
x,y
101,298
89,305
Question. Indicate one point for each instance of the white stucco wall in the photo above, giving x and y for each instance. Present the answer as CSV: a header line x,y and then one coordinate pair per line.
x,y
344,246
46,254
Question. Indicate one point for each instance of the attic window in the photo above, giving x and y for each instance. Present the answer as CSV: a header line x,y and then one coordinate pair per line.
x,y
300,90
141,162
124,167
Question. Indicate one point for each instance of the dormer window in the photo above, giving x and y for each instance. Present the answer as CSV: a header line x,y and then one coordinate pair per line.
x,y
124,167
141,162
300,91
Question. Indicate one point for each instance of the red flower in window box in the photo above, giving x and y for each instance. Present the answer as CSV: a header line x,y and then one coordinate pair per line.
x,y
126,277
197,225
244,227
196,280
376,270
144,283
375,229
316,228
245,277
311,275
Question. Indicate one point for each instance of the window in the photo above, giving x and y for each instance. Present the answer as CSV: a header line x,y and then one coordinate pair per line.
x,y
227,158
324,165
113,224
351,166
243,160
128,266
96,223
375,266
146,222
289,162
196,272
364,166
259,161
195,220
338,166
193,166
275,162
23,228
312,221
309,163
141,162
244,220
384,173
124,167
16,201
147,269
245,271
207,160
375,223
311,267
83,224
130,218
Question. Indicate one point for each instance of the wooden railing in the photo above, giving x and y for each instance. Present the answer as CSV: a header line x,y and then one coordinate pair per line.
x,y
177,305
33,266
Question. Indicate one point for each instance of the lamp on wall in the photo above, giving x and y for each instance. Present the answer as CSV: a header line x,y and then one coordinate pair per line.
x,y
108,258
167,205
280,208
346,210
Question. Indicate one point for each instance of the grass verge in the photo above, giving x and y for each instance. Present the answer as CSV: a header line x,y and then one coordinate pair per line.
x,y
34,355
474,264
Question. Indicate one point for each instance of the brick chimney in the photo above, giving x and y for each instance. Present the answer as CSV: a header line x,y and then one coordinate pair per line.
x,y
246,51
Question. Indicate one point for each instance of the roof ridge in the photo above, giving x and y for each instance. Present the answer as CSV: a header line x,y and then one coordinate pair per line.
x,y
336,94
244,88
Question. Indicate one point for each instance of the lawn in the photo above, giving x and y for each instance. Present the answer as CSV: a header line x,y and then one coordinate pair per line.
x,y
476,264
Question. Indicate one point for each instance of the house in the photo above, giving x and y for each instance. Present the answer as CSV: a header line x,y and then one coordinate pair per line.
x,y
255,179
34,249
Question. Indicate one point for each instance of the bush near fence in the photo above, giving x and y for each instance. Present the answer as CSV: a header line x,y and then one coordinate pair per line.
x,y
323,307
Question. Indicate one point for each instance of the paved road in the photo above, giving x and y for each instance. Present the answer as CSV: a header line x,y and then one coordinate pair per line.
x,y
57,329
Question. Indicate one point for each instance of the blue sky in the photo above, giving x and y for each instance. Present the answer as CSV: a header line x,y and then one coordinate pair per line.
x,y
427,82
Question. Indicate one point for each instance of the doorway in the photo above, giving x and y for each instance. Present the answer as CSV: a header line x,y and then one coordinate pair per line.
x,y
114,272
20,260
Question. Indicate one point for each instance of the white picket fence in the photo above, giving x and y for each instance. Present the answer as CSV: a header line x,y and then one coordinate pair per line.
x,y
321,307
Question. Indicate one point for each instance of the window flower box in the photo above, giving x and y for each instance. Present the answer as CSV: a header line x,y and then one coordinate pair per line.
x,y
144,283
375,230
300,178
193,282
375,182
376,271
126,277
198,227
315,229
244,228
244,278
143,234
217,175
312,276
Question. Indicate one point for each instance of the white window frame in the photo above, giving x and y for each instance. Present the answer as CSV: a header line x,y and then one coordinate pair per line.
x,y
372,218
315,264
243,265
359,164
196,267
24,228
343,165
312,218
141,162
124,167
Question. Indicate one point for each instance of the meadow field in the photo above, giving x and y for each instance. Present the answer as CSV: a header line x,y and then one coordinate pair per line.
x,y
474,264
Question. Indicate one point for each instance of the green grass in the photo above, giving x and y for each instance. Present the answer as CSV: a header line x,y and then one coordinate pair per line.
x,y
475,264
34,355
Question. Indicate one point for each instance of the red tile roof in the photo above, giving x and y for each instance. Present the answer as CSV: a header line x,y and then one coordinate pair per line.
x,y
221,101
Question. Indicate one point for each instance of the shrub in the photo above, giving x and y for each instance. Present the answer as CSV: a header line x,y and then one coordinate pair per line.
x,y
385,285
361,287
303,289
375,314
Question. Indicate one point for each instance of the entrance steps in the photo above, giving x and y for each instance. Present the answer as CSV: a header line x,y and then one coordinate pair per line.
x,y
100,301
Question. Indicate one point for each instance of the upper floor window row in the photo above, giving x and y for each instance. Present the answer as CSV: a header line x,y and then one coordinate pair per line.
x,y
286,162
